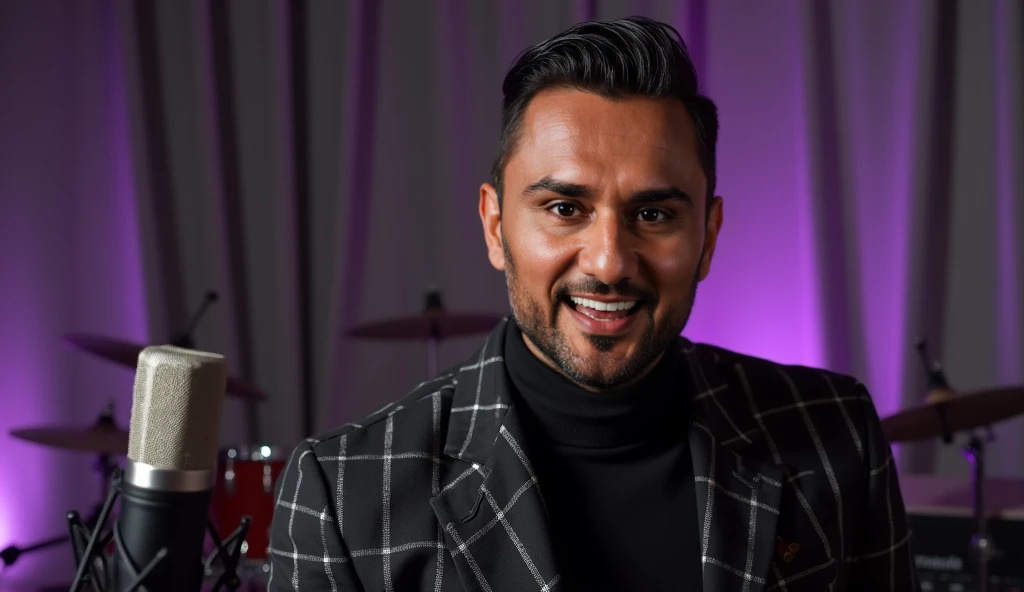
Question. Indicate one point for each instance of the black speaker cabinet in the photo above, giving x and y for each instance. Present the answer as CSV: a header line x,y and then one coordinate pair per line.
x,y
940,514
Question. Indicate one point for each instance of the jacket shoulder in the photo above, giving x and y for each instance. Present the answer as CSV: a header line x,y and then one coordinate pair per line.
x,y
764,374
414,412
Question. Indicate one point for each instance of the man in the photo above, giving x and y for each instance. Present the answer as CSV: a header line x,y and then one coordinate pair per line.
x,y
586,446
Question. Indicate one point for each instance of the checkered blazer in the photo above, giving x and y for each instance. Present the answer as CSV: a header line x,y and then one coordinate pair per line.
x,y
796,488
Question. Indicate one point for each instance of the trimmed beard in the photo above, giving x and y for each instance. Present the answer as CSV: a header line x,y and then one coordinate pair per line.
x,y
552,343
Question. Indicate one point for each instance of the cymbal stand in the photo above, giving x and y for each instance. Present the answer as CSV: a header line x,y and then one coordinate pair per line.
x,y
12,553
433,305
938,389
184,339
431,356
105,465
982,547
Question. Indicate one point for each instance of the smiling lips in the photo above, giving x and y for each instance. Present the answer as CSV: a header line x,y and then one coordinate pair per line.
x,y
603,311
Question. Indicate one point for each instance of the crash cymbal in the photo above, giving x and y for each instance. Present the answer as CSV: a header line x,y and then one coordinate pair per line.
x,y
962,412
127,353
438,324
100,438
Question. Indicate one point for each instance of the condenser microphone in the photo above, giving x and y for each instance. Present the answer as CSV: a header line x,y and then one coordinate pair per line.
x,y
170,473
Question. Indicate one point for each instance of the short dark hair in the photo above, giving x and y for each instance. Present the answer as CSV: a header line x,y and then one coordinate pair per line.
x,y
635,56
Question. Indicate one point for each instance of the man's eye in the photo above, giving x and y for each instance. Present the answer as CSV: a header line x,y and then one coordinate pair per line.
x,y
652,215
565,210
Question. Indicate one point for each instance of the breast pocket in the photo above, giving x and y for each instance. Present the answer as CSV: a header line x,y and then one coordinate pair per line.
x,y
808,542
815,578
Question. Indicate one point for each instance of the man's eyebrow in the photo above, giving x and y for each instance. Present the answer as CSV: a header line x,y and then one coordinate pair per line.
x,y
563,188
577,190
663,194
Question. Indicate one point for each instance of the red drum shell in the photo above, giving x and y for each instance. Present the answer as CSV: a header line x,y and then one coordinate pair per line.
x,y
246,480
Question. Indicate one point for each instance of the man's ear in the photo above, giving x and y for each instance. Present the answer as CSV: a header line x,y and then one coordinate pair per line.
x,y
490,218
711,230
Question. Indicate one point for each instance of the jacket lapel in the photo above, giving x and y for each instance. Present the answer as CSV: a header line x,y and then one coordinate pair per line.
x,y
493,515
738,497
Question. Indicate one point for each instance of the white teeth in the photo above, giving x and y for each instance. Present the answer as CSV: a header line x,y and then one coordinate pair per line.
x,y
594,304
585,313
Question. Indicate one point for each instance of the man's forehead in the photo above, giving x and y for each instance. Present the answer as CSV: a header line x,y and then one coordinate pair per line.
x,y
570,129
565,118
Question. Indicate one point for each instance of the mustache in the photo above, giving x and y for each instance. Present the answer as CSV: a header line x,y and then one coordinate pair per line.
x,y
590,285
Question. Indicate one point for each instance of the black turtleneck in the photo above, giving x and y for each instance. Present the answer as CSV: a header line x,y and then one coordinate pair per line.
x,y
615,472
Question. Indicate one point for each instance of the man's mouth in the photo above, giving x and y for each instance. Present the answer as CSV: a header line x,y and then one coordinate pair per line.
x,y
602,311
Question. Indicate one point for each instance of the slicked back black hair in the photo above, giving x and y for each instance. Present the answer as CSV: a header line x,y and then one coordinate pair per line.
x,y
635,56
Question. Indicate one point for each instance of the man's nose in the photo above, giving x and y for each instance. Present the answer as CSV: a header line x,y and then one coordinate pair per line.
x,y
609,253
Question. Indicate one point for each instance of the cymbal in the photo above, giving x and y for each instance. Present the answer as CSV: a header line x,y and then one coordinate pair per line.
x,y
431,323
127,353
100,438
964,412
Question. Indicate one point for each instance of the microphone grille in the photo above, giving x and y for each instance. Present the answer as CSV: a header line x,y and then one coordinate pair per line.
x,y
176,408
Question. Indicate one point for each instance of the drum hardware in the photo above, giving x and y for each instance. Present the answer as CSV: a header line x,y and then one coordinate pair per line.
x,y
433,325
938,388
946,412
229,471
983,549
126,353
268,480
245,487
103,437
184,339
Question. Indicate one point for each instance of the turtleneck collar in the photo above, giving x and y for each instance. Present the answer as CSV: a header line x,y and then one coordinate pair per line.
x,y
571,415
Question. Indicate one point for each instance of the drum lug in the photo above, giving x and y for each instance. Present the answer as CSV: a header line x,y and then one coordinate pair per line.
x,y
268,480
229,476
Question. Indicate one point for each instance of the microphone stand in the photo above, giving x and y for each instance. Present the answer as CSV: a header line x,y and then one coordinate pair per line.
x,y
94,568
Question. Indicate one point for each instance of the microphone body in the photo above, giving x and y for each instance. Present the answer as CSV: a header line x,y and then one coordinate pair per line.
x,y
154,520
169,478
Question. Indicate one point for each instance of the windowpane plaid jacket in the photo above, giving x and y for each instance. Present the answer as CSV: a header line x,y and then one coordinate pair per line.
x,y
796,488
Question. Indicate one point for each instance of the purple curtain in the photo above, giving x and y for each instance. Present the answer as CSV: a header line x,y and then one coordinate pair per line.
x,y
72,258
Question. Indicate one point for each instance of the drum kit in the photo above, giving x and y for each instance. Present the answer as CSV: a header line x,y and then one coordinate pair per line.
x,y
247,474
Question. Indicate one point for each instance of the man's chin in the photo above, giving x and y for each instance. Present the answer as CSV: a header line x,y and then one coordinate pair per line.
x,y
602,371
606,351
603,382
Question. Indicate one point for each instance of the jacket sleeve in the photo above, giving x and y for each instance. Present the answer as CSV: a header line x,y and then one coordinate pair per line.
x,y
882,558
306,550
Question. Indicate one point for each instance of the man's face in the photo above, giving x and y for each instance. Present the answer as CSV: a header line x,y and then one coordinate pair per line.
x,y
601,233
